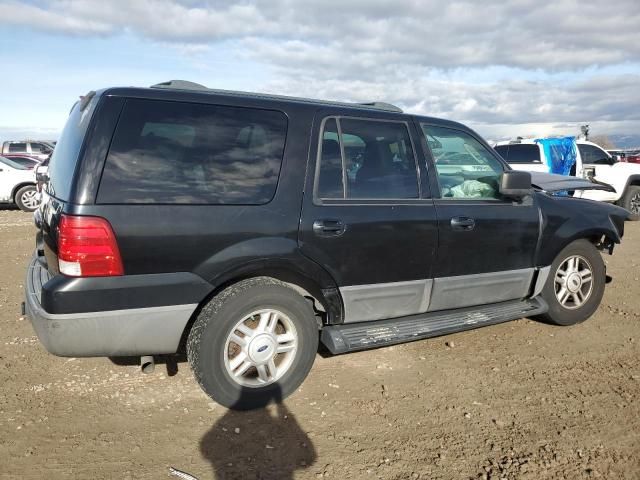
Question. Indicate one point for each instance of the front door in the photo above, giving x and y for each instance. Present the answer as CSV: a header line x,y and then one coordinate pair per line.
x,y
367,217
487,243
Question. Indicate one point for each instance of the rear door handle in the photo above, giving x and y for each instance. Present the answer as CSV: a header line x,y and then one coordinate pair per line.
x,y
328,228
464,224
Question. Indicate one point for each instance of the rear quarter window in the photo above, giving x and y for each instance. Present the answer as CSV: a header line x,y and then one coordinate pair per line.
x,y
65,156
188,153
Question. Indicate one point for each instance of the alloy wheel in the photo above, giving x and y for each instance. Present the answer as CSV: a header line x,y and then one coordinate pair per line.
x,y
261,348
573,282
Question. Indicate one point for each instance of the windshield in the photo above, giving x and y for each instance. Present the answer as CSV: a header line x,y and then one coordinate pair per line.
x,y
14,164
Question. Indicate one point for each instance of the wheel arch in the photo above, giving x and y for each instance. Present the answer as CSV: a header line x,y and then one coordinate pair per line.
x,y
633,180
18,186
314,284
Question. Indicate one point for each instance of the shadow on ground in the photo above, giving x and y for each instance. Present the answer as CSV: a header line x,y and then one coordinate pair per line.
x,y
262,444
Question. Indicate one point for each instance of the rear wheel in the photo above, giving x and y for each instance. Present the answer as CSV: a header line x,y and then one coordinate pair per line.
x,y
631,199
253,344
575,285
26,198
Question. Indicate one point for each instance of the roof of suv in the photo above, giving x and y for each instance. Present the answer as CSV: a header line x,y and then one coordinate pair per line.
x,y
186,86
180,89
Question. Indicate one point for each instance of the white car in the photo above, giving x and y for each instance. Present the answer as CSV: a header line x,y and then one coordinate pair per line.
x,y
17,185
592,162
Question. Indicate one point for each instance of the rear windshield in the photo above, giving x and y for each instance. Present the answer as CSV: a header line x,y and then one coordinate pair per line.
x,y
519,153
177,152
65,156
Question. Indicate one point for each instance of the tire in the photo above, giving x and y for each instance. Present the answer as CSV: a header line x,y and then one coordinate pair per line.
x,y
631,199
585,255
25,198
210,343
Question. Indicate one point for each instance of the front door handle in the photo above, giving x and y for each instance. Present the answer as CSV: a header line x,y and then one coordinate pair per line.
x,y
329,228
464,224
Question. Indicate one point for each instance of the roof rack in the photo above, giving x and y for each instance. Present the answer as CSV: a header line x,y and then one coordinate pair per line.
x,y
382,106
180,85
186,85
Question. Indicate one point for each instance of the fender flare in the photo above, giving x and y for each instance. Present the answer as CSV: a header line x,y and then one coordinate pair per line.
x,y
279,258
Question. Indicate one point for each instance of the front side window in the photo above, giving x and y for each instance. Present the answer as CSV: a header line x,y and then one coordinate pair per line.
x,y
176,153
466,169
366,159
593,155
37,148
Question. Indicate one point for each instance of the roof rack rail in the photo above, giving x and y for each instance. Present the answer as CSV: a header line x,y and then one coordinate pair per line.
x,y
382,106
187,85
180,85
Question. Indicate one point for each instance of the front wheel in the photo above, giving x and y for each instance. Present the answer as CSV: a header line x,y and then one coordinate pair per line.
x,y
631,199
253,344
575,285
27,198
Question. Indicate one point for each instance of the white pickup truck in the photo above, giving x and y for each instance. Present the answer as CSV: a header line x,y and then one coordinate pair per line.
x,y
592,162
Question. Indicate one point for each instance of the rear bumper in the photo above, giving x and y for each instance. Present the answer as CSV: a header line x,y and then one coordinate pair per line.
x,y
132,331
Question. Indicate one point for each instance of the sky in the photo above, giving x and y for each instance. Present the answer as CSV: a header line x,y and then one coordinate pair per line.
x,y
504,67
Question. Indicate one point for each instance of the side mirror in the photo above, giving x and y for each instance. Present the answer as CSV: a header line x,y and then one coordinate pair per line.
x,y
515,184
589,173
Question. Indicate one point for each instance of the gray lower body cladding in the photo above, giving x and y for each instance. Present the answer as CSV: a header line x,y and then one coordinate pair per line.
x,y
361,336
135,331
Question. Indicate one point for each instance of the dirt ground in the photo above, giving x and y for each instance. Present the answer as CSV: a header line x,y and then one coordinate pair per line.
x,y
519,400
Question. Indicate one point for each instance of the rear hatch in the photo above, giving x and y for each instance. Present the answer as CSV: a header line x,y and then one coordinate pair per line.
x,y
58,189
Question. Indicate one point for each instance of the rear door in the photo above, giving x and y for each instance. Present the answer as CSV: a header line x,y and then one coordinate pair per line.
x,y
368,217
486,243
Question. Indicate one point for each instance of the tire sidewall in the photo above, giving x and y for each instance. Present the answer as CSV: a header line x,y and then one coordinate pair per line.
x,y
213,375
629,193
561,315
18,198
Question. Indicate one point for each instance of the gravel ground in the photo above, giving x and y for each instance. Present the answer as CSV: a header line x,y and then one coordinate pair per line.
x,y
521,400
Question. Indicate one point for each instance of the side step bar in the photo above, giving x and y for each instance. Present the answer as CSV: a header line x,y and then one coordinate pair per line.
x,y
360,336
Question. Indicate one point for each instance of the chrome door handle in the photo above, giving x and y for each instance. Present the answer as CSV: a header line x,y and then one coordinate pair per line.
x,y
463,224
329,228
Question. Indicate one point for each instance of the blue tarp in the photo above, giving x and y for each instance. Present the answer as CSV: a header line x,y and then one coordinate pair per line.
x,y
560,154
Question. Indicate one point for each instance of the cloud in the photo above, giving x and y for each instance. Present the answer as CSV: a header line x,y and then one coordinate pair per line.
x,y
519,33
496,62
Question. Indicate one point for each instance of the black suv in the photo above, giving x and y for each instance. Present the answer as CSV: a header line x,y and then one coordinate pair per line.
x,y
245,228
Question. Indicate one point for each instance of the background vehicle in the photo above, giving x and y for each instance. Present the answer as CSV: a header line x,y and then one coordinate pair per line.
x,y
36,149
28,162
17,185
246,228
592,161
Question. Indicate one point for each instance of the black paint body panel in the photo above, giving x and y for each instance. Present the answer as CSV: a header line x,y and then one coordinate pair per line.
x,y
181,254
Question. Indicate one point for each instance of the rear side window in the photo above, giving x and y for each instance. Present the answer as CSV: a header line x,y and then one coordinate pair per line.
x,y
366,159
188,153
17,147
65,156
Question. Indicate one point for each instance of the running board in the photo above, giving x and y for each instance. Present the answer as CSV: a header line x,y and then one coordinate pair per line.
x,y
360,336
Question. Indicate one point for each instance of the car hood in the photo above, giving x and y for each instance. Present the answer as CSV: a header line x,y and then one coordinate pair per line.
x,y
551,182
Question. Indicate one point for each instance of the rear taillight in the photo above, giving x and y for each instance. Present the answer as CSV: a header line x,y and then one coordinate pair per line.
x,y
87,247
